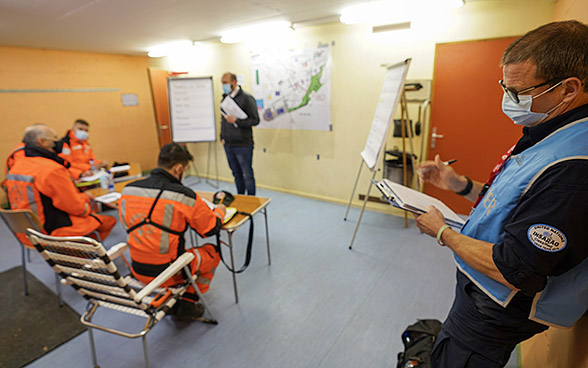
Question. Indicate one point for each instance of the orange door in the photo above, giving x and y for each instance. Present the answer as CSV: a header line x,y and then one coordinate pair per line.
x,y
466,113
158,79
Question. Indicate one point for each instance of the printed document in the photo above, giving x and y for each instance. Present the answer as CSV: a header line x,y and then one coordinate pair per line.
x,y
108,198
230,107
230,212
416,202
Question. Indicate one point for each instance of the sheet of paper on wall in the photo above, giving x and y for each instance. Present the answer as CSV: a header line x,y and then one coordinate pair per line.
x,y
241,80
416,202
230,107
129,99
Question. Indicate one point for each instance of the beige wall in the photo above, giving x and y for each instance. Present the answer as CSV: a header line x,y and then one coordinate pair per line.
x,y
116,132
572,9
290,161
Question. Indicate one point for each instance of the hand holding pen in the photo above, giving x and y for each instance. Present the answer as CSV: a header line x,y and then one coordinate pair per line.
x,y
439,173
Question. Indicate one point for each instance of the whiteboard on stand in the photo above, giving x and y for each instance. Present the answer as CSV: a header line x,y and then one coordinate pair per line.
x,y
389,99
191,109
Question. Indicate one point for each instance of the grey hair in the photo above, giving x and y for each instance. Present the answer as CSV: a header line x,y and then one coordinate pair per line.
x,y
33,133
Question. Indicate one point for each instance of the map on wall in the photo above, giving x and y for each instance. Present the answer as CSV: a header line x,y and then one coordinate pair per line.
x,y
293,88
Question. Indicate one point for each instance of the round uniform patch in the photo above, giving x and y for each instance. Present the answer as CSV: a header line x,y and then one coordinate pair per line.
x,y
65,151
547,238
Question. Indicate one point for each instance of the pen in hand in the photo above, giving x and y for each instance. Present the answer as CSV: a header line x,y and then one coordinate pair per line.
x,y
446,163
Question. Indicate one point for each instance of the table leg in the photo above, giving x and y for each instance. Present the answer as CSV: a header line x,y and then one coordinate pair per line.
x,y
230,234
269,258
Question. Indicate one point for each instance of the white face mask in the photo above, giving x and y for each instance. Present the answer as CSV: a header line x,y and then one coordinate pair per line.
x,y
521,113
81,135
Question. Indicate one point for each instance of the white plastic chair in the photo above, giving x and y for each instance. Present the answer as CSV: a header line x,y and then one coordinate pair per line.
x,y
84,264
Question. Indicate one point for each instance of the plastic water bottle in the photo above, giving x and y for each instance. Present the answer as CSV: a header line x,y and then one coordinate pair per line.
x,y
109,181
103,179
92,166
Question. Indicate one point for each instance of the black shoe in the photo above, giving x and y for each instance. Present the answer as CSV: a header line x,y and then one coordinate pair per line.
x,y
189,311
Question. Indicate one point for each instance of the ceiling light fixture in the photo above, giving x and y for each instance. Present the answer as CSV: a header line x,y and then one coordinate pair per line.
x,y
257,31
394,11
167,49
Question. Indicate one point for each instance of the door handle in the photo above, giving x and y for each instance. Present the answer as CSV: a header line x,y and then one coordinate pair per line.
x,y
434,137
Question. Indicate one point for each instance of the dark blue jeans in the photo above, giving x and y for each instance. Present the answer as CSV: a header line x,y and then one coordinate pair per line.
x,y
240,160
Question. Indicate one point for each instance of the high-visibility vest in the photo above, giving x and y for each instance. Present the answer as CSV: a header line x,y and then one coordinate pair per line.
x,y
565,297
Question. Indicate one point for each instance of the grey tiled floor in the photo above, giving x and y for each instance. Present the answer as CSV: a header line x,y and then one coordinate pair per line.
x,y
318,305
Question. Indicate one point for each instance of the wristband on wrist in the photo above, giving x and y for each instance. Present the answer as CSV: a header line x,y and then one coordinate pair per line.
x,y
468,187
440,233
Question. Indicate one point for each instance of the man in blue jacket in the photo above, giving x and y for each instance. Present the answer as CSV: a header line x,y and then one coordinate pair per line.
x,y
237,136
522,255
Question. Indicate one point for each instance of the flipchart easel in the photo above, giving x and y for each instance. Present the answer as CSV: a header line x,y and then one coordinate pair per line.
x,y
393,94
192,116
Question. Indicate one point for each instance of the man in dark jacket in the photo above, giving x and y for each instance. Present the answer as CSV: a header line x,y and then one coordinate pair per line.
x,y
236,134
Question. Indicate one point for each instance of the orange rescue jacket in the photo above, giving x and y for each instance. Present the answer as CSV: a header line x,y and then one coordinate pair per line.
x,y
16,153
159,240
41,183
78,153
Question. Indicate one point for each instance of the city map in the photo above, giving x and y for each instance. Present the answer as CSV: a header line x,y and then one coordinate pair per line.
x,y
293,88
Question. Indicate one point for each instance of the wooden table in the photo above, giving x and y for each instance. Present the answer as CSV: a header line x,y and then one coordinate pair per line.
x,y
133,173
118,187
243,203
248,204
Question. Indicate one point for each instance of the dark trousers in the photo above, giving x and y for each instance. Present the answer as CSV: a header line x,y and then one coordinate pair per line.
x,y
478,335
240,160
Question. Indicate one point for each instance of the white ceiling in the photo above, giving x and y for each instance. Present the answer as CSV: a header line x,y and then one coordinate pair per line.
x,y
133,26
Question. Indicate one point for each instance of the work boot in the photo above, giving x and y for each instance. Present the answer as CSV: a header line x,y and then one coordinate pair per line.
x,y
189,311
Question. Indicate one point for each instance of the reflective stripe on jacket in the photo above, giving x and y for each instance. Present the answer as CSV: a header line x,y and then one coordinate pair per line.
x,y
41,184
177,208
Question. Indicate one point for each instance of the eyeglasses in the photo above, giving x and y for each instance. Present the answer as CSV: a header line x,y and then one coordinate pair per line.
x,y
514,95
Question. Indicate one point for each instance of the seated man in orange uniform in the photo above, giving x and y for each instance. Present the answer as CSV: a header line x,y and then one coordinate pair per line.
x,y
156,211
18,151
40,182
78,151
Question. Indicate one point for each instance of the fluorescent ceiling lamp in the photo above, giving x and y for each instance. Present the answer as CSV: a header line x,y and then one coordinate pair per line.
x,y
393,11
169,48
257,31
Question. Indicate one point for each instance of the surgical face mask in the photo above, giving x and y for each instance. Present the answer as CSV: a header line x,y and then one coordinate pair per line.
x,y
521,114
227,88
82,135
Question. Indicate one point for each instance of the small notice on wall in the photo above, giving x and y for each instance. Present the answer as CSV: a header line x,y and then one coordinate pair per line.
x,y
129,99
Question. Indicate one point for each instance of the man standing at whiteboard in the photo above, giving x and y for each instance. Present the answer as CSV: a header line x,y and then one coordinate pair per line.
x,y
239,114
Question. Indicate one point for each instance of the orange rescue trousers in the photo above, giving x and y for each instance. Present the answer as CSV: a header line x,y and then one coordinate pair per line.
x,y
209,259
85,226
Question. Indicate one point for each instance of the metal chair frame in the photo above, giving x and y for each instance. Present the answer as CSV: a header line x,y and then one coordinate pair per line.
x,y
18,221
84,263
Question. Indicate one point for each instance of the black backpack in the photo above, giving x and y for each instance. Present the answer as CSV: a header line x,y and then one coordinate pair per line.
x,y
418,340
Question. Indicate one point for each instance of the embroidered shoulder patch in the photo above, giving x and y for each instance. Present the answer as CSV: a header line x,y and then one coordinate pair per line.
x,y
546,238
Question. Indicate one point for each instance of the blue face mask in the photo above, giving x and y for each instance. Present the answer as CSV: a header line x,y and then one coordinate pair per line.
x,y
227,88
521,113
82,135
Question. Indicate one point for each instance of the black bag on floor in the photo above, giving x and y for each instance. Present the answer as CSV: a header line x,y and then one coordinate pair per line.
x,y
418,340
